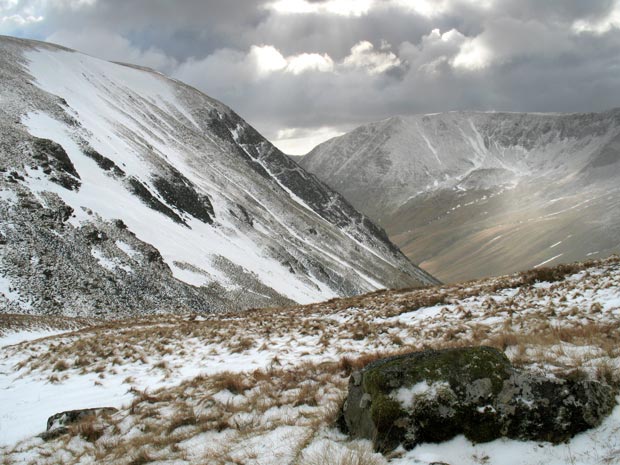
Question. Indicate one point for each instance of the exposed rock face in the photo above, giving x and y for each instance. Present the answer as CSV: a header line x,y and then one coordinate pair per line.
x,y
433,396
57,424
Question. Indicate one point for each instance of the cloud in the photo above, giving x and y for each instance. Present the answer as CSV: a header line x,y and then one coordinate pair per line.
x,y
600,24
363,55
310,62
299,141
474,54
231,69
337,7
109,46
20,20
427,8
307,65
435,52
267,59
14,15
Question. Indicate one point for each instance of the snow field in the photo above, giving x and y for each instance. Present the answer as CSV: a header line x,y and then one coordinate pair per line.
x,y
265,386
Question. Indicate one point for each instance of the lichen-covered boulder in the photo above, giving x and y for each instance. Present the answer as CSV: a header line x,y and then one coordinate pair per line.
x,y
551,409
433,396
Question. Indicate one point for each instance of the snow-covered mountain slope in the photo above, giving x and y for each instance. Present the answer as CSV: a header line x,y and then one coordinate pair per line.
x,y
124,191
470,194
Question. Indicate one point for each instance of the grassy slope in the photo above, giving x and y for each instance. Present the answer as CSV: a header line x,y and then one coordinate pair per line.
x,y
264,386
469,235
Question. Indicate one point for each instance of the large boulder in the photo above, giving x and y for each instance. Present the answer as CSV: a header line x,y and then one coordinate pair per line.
x,y
433,396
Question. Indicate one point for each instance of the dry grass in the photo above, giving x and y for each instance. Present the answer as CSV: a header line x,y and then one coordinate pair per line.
x,y
552,274
61,365
232,382
313,350
11,322
350,364
89,428
140,458
163,337
181,418
355,453
311,403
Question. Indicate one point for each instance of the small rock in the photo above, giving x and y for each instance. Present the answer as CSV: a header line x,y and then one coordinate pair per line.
x,y
54,433
57,423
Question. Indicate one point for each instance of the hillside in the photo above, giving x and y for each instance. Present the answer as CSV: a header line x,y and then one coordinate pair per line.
x,y
470,194
124,192
265,386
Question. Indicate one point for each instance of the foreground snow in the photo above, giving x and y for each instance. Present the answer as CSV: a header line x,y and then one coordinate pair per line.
x,y
13,338
265,386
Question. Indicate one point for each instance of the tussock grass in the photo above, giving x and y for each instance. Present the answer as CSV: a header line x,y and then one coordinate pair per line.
x,y
11,322
545,319
89,428
61,365
355,453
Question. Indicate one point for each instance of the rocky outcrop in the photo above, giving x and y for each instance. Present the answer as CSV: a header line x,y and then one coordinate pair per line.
x,y
433,396
58,424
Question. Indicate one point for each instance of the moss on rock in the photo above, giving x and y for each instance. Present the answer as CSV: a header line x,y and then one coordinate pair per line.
x,y
455,366
433,396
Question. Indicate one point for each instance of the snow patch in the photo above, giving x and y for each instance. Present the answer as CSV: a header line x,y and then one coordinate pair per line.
x,y
8,196
129,250
548,261
407,396
103,260
9,339
7,290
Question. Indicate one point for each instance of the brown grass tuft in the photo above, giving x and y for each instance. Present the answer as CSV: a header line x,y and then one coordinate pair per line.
x,y
182,418
236,383
61,365
88,429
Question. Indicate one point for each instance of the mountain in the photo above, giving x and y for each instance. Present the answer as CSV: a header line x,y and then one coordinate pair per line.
x,y
123,192
472,194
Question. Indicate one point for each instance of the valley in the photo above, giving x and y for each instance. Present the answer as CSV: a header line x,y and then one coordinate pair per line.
x,y
473,194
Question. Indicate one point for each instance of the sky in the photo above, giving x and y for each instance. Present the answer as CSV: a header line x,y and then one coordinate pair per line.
x,y
302,71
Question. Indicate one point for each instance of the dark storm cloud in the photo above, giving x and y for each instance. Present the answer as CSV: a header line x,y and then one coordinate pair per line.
x,y
320,68
180,28
554,10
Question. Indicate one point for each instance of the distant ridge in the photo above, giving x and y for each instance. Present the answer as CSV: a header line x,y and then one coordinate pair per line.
x,y
471,194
